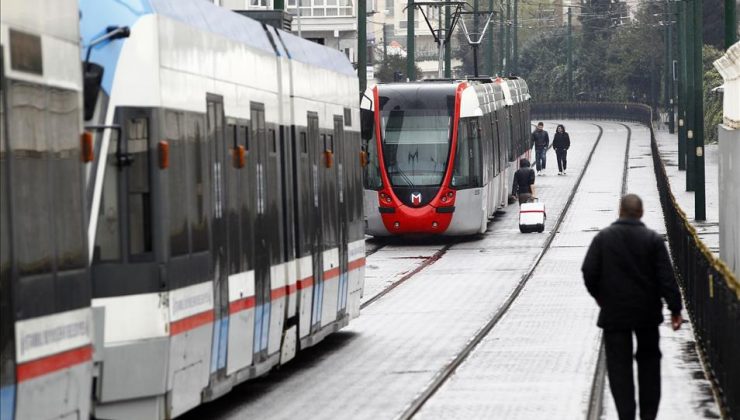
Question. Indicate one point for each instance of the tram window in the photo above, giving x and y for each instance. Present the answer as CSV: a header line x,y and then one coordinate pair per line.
x,y
244,132
323,141
330,142
347,117
26,121
139,204
178,186
63,121
371,171
273,141
199,174
107,237
304,143
467,169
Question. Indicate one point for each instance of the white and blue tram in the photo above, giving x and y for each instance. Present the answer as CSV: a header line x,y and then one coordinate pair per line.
x,y
226,201
218,229
442,154
45,317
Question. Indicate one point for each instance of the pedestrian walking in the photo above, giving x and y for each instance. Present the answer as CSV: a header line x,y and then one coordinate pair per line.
x,y
523,187
627,271
540,141
561,144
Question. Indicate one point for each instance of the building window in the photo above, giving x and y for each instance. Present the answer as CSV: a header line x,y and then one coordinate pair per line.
x,y
258,3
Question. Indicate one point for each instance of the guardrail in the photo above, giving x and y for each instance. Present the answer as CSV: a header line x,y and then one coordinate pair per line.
x,y
710,290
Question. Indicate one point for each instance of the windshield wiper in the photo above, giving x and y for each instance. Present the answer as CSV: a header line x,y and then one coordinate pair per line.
x,y
403,174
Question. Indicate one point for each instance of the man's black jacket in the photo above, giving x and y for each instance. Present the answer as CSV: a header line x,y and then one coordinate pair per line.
x,y
627,271
540,139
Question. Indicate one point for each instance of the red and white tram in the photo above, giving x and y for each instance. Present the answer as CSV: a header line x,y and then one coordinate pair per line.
x,y
441,154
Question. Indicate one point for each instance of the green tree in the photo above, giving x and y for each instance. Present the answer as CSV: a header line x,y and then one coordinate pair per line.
x,y
712,101
393,69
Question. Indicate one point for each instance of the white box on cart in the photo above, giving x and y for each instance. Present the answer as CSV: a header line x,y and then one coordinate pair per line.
x,y
532,217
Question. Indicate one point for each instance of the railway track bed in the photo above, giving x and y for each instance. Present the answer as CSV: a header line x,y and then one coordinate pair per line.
x,y
447,303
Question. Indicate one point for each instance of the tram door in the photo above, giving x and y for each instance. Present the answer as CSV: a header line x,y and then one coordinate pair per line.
x,y
219,172
314,230
262,235
343,216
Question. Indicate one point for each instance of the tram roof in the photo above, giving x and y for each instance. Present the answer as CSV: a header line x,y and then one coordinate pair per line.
x,y
97,15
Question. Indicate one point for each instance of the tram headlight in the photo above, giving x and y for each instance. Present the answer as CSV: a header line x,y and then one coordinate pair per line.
x,y
396,225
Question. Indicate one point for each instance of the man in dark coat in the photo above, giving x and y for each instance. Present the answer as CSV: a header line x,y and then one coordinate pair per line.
x,y
523,186
561,144
540,141
627,271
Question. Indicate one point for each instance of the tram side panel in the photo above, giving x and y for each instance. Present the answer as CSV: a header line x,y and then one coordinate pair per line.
x,y
45,320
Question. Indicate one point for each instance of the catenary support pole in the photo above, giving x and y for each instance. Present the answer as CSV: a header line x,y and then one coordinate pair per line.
x,y
489,43
507,48
385,44
690,95
730,23
515,41
669,69
700,211
410,65
448,45
362,44
501,49
682,87
570,55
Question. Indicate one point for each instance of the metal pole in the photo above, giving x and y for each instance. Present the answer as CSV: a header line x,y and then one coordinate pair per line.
x,y
475,60
410,68
362,44
298,17
476,32
385,45
700,211
448,45
489,43
669,69
507,56
691,99
666,73
514,41
501,48
730,23
570,56
682,80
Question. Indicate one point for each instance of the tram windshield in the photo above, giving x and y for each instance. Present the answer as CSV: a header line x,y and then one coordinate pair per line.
x,y
416,146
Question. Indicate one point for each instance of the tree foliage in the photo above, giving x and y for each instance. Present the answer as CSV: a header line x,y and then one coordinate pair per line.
x,y
393,68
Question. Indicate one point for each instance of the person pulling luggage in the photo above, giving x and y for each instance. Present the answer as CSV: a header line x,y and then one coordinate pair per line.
x,y
523,186
561,144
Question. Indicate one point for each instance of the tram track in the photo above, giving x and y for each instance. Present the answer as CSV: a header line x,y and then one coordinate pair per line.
x,y
596,399
449,369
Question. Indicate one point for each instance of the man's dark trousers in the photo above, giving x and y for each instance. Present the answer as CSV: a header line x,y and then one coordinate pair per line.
x,y
618,344
541,158
562,155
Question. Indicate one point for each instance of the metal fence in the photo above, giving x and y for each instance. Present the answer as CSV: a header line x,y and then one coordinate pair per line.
x,y
709,288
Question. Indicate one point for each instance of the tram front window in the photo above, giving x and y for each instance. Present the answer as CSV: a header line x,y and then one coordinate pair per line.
x,y
416,146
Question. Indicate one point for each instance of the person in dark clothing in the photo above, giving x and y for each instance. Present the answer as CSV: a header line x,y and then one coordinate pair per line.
x,y
561,144
627,271
540,141
523,186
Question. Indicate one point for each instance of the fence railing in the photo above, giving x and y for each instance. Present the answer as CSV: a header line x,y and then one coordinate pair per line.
x,y
709,288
